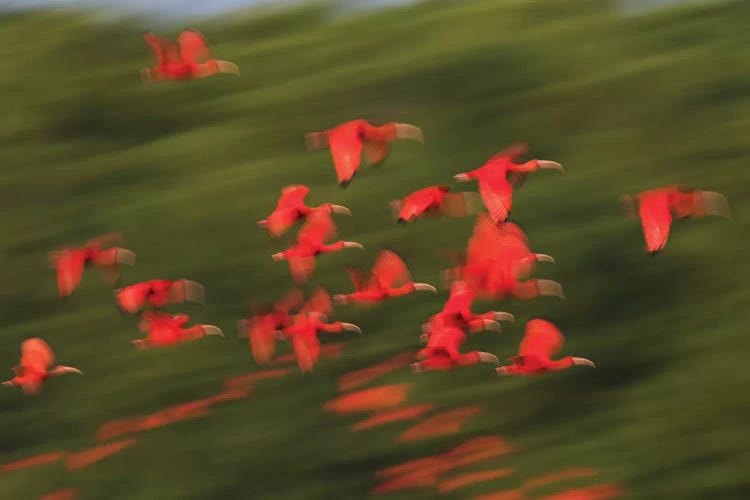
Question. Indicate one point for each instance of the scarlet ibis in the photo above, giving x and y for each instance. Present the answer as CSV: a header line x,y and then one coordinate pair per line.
x,y
541,340
166,330
347,140
389,277
495,184
291,208
436,200
317,229
34,368
496,260
656,207
158,293
266,321
442,351
70,262
305,325
189,58
457,312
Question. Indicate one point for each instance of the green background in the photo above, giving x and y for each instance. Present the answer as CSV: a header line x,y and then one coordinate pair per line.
x,y
185,171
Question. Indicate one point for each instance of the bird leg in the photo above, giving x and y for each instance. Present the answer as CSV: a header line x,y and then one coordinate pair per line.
x,y
407,131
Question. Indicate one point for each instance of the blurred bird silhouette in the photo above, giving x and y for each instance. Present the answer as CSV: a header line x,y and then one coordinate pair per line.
x,y
34,368
291,208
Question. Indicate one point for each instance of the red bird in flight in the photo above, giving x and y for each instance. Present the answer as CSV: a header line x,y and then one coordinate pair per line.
x,y
541,341
435,201
656,208
347,141
311,241
189,58
158,293
496,261
390,277
305,325
71,262
34,368
166,330
291,208
498,176
442,351
261,329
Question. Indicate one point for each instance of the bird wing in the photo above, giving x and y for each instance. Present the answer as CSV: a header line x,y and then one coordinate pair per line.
x,y
346,149
542,339
511,152
292,196
358,278
36,355
497,199
390,270
376,151
656,220
483,242
70,265
132,298
319,302
318,228
262,340
193,47
418,202
165,50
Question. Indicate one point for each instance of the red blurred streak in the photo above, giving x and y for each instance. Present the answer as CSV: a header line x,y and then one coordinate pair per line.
x,y
558,476
483,446
378,398
45,458
326,351
117,428
386,417
449,422
599,492
64,494
426,471
354,379
504,495
229,395
246,380
93,455
462,480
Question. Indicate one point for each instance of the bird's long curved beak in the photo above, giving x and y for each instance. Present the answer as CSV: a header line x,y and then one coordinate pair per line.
x,y
542,257
715,204
547,164
194,291
425,287
340,209
492,325
212,330
125,256
353,244
228,67
504,316
549,287
262,223
408,131
486,357
350,327
583,362
316,140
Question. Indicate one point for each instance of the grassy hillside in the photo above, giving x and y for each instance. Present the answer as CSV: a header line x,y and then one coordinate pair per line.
x,y
186,170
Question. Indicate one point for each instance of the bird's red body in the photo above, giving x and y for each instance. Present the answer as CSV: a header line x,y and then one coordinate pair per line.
x,y
457,310
35,366
154,293
188,59
166,330
542,339
70,263
428,199
442,351
389,277
291,208
348,140
495,186
261,329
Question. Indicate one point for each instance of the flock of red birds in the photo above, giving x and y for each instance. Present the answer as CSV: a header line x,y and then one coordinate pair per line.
x,y
497,263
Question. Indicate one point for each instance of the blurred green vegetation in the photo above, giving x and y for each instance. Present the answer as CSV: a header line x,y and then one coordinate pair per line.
x,y
185,170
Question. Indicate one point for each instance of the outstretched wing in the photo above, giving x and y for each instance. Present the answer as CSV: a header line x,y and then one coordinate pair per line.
x,y
132,298
346,150
194,47
318,228
498,201
358,278
511,152
376,152
390,270
319,302
36,355
542,339
165,50
70,265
